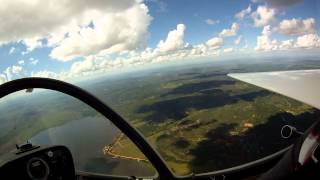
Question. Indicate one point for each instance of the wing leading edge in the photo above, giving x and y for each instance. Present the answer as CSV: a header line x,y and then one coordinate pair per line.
x,y
302,85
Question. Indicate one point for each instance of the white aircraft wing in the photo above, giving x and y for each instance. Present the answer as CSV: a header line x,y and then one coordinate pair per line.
x,y
302,85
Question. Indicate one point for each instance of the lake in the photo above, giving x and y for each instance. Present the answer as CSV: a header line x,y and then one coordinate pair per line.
x,y
86,138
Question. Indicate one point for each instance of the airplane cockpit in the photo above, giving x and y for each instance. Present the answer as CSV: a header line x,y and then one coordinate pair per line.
x,y
32,161
159,89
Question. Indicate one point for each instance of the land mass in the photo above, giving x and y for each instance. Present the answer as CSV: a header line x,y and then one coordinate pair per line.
x,y
194,115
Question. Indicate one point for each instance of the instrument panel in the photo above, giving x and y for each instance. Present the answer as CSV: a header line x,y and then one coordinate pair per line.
x,y
53,162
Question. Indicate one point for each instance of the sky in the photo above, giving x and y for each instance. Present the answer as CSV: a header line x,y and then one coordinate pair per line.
x,y
72,39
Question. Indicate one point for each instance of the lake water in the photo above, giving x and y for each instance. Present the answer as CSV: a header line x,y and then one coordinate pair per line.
x,y
86,138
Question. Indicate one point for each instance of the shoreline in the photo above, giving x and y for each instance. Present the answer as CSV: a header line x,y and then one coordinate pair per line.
x,y
109,150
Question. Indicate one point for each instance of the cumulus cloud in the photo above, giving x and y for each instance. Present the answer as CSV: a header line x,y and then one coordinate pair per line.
x,y
78,28
297,26
95,64
230,32
32,19
45,74
263,16
174,40
242,14
32,43
13,72
212,47
170,49
266,43
212,21
287,44
215,42
128,32
81,67
308,41
209,48
16,69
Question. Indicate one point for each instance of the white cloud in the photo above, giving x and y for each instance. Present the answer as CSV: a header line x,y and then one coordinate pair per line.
x,y
12,49
170,49
128,32
174,40
78,28
238,40
32,43
264,41
13,72
215,42
45,74
242,14
230,32
3,78
297,26
95,64
21,62
263,16
81,67
16,69
287,44
228,50
212,21
33,61
31,19
308,41
208,49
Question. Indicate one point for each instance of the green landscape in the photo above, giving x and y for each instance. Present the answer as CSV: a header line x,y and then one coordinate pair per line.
x,y
206,121
195,116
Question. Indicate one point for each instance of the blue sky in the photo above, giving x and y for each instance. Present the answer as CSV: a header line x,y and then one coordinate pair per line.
x,y
193,14
94,38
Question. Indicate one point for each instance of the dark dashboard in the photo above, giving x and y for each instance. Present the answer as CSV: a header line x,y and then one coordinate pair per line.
x,y
47,162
